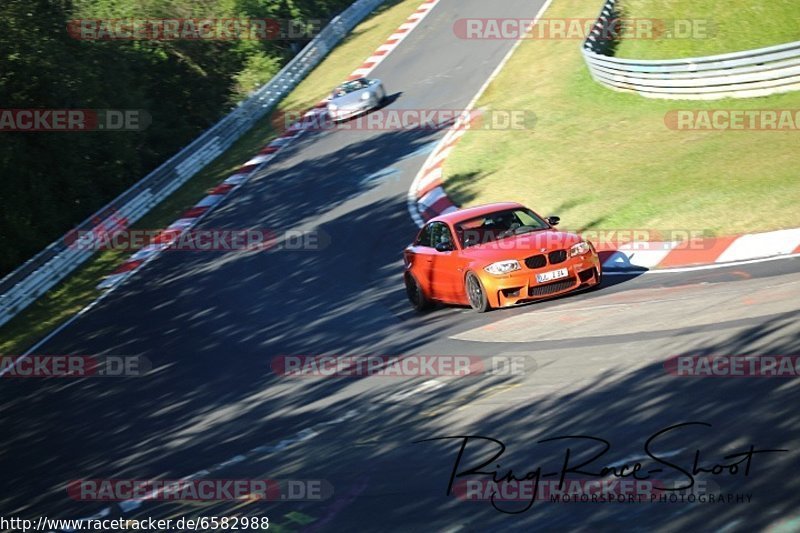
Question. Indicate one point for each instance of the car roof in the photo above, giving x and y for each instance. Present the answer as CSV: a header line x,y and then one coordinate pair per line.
x,y
471,212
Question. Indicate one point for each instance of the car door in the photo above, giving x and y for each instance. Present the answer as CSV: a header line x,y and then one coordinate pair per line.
x,y
446,276
419,261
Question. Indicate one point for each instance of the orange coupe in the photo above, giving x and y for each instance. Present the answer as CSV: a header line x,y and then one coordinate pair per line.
x,y
496,255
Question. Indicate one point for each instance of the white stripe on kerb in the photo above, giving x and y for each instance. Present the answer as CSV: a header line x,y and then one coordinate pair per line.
x,y
761,245
428,179
432,197
649,258
257,160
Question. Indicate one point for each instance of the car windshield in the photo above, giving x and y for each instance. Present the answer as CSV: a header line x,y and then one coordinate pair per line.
x,y
498,225
349,87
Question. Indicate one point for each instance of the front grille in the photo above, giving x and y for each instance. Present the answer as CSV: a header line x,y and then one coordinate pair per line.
x,y
535,261
551,288
586,275
559,256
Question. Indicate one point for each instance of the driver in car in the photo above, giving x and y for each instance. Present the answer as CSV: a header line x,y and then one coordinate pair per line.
x,y
503,224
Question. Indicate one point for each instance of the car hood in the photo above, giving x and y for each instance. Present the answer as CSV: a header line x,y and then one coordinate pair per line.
x,y
522,246
350,99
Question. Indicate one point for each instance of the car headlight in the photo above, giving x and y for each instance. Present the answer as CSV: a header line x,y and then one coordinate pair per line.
x,y
580,249
366,96
503,267
332,107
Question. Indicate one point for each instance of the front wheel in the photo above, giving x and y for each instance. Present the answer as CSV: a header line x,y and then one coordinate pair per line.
x,y
415,295
599,275
476,294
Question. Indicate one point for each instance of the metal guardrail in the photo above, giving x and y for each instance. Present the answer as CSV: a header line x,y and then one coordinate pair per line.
x,y
50,266
759,72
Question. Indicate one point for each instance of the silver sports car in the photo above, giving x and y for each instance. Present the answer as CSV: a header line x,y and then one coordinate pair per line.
x,y
355,97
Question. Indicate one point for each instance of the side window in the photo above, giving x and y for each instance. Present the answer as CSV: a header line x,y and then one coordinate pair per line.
x,y
424,237
440,233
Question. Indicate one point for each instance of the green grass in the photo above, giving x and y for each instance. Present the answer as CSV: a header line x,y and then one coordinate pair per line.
x,y
605,160
718,26
78,290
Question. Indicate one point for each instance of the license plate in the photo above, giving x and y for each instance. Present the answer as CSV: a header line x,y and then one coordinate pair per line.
x,y
553,274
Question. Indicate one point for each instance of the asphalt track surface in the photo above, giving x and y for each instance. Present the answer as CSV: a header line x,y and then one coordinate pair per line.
x,y
211,322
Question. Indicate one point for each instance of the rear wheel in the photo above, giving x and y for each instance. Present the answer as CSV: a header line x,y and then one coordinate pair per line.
x,y
415,295
476,294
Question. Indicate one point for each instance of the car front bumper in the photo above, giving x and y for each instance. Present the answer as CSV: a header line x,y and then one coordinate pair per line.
x,y
344,113
521,286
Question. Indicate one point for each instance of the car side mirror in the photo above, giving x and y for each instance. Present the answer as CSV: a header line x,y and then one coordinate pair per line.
x,y
553,220
444,247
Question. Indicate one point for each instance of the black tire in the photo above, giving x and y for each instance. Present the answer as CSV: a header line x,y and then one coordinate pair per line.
x,y
476,294
599,274
415,295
